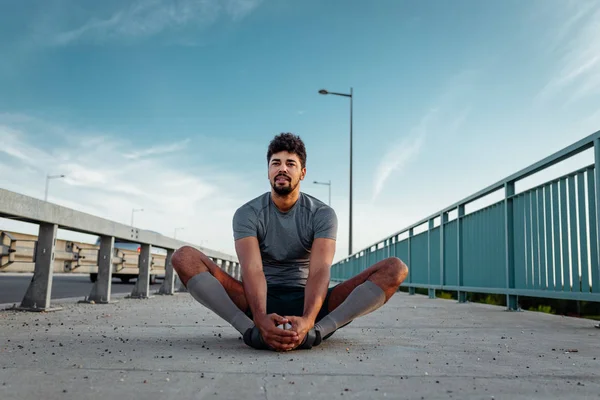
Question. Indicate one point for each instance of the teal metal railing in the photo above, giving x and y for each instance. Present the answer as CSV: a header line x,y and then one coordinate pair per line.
x,y
541,242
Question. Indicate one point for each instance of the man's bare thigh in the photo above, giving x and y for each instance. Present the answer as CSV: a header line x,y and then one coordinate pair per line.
x,y
379,273
189,262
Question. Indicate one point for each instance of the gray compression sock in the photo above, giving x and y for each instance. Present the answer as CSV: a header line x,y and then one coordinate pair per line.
x,y
209,292
365,298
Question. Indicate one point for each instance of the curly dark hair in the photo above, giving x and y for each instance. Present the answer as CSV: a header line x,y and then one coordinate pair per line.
x,y
290,143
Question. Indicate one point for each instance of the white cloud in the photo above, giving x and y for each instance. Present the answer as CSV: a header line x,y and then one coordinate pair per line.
x,y
238,9
80,175
11,146
577,48
150,17
448,113
458,122
401,154
11,151
157,150
103,181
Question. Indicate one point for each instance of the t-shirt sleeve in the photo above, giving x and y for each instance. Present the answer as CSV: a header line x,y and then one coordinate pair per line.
x,y
245,223
325,223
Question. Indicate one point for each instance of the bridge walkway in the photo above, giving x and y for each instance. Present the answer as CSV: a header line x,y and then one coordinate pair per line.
x,y
414,347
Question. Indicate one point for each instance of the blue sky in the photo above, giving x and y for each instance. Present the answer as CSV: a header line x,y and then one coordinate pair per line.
x,y
169,105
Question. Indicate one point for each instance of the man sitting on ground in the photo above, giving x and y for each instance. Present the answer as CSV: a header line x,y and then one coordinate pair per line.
x,y
285,242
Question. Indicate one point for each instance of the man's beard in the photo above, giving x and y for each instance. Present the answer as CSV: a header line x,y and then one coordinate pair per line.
x,y
283,190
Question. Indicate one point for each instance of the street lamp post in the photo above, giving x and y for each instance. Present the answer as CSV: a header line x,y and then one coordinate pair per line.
x,y
350,95
175,232
134,210
48,177
328,184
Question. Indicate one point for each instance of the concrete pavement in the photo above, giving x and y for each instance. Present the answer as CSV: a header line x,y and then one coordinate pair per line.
x,y
414,348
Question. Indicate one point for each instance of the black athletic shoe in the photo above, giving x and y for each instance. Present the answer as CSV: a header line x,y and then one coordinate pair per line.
x,y
312,339
253,338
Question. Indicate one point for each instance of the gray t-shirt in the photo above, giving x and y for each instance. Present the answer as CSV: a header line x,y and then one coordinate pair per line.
x,y
285,239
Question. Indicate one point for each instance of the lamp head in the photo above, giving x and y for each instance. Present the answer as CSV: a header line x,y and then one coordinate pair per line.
x,y
323,91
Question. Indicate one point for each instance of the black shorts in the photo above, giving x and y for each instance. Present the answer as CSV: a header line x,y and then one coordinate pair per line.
x,y
289,300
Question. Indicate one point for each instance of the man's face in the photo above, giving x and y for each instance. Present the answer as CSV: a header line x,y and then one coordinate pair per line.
x,y
285,172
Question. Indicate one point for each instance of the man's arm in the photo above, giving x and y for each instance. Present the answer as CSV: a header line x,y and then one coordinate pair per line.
x,y
321,258
319,272
255,285
255,289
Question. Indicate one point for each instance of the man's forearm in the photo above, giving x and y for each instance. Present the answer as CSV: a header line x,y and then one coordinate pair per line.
x,y
315,293
255,288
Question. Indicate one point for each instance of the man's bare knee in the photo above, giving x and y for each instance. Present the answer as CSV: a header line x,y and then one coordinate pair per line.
x,y
181,256
396,271
389,275
187,262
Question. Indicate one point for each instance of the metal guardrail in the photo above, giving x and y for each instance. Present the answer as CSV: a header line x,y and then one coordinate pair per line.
x,y
543,242
17,254
50,217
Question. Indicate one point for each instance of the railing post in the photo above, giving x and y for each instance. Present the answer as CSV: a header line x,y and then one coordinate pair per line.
x,y
462,296
226,266
168,285
179,285
596,274
411,290
429,228
443,220
239,268
234,270
101,290
512,300
37,297
142,286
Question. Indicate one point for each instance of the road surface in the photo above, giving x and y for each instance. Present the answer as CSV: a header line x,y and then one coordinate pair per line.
x,y
171,347
14,286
